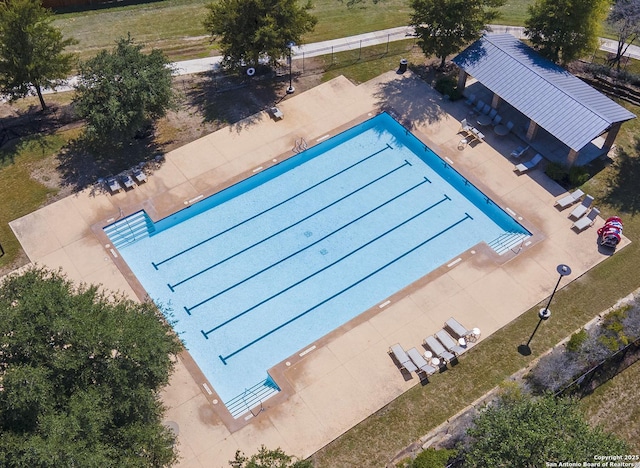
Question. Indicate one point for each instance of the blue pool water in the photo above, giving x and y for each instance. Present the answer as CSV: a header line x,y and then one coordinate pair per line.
x,y
259,271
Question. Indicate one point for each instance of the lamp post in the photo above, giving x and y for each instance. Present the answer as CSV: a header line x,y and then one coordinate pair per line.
x,y
545,313
290,89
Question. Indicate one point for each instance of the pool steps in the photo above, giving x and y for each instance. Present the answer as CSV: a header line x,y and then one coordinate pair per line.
x,y
130,229
506,241
252,398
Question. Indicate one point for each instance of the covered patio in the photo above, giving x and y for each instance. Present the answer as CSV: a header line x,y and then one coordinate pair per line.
x,y
559,115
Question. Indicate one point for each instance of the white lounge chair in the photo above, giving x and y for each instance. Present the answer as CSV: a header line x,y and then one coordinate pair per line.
x,y
585,222
570,199
276,113
465,126
437,348
525,166
448,343
127,181
456,328
519,151
139,175
401,356
114,185
579,211
419,361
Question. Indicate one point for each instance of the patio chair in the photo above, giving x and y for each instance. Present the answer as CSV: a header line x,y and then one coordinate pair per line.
x,y
400,355
479,105
420,361
509,125
436,347
456,328
527,165
127,181
486,109
448,343
470,100
139,175
569,199
579,211
493,113
519,151
114,185
585,222
496,120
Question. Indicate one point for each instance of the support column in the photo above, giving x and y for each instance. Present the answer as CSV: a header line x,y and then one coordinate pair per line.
x,y
532,130
462,80
496,101
611,136
572,157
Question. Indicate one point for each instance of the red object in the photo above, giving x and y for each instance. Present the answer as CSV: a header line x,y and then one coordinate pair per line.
x,y
611,232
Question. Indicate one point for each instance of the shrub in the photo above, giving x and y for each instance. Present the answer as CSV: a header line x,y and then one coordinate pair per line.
x,y
613,329
578,175
557,172
631,322
577,339
448,86
554,371
432,458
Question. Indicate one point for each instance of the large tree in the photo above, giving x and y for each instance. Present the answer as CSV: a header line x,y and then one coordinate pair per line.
x,y
249,30
444,27
31,50
563,30
123,91
624,17
529,432
80,374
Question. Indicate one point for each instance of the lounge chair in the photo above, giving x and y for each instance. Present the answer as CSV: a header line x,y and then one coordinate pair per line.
x,y
448,343
570,199
419,361
465,126
400,355
127,181
585,222
470,100
114,185
436,347
456,328
579,211
527,165
139,175
519,151
276,113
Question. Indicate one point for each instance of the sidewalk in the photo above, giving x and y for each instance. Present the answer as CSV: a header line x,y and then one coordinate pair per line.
x,y
188,67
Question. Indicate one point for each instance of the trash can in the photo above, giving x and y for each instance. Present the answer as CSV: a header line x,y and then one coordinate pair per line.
x,y
403,66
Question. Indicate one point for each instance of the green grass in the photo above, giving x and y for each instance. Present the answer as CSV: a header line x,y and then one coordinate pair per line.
x,y
176,27
20,194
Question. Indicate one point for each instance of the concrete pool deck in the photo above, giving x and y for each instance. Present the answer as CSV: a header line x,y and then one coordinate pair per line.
x,y
348,375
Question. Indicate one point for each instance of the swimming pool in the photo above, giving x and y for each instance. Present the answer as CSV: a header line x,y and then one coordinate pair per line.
x,y
263,269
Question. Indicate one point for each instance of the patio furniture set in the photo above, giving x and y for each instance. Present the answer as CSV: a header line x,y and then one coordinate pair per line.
x,y
440,349
582,219
489,116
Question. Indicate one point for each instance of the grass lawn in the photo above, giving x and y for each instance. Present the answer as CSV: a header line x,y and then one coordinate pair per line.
x,y
176,27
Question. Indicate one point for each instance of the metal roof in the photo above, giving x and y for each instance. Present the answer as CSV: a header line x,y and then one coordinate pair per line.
x,y
562,104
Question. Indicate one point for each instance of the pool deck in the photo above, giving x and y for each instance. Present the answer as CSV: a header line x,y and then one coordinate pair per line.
x,y
348,375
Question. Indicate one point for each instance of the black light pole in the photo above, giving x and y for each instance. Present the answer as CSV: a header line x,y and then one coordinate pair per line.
x,y
290,89
544,314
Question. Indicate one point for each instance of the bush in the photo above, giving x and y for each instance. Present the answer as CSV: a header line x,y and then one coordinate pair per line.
x,y
578,175
554,371
631,322
448,86
431,458
577,339
613,336
557,172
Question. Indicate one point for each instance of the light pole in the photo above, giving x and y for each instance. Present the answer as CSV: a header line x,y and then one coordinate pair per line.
x,y
290,89
545,313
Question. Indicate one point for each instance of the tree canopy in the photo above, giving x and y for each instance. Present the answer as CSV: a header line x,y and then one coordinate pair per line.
x,y
266,458
624,17
80,374
31,50
563,30
123,91
529,432
444,27
249,30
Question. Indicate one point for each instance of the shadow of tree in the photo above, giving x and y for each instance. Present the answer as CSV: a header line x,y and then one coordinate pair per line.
x,y
411,100
83,161
623,191
235,100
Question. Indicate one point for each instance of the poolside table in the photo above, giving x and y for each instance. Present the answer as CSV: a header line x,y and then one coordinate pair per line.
x,y
501,130
484,120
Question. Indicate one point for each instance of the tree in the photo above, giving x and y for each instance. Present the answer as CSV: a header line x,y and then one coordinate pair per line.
x,y
268,459
122,92
563,30
624,17
529,432
31,50
249,30
444,27
80,374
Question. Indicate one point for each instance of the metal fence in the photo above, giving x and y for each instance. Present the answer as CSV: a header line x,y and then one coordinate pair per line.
x,y
602,372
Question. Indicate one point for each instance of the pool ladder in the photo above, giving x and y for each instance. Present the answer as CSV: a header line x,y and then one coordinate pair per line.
x,y
300,145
